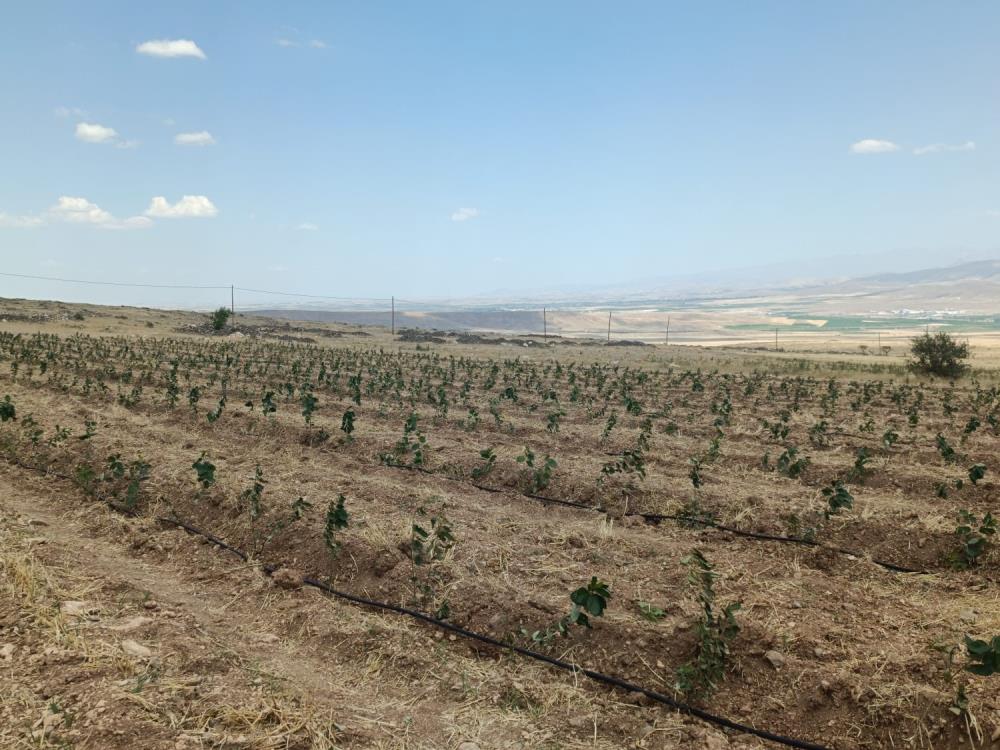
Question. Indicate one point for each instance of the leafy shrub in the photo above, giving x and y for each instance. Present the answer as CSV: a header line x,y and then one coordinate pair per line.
x,y
790,465
336,520
987,653
837,497
7,410
205,471
939,354
973,538
426,546
220,317
977,472
347,424
715,631
591,599
486,467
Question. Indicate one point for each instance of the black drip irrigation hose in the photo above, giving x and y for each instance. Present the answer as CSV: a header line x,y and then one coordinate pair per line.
x,y
605,679
566,666
655,518
649,517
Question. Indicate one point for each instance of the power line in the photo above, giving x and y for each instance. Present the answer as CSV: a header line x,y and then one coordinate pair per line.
x,y
110,283
313,296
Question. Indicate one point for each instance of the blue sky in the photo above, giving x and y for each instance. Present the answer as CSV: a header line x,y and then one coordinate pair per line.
x,y
455,148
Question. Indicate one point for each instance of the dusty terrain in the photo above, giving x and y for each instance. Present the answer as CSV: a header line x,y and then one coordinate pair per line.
x,y
116,626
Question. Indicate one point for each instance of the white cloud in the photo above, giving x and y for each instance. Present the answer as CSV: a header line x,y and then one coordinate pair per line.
x,y
994,212
873,146
464,214
19,222
286,43
201,138
189,206
94,133
81,211
317,44
170,48
934,148
307,226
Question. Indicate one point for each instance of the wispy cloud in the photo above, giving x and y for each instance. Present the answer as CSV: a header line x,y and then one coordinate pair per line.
x,y
19,222
295,39
91,132
307,226
68,112
873,146
170,48
201,138
188,207
464,214
935,148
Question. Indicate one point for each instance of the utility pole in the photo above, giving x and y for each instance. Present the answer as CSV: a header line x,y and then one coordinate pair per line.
x,y
775,339
232,299
668,331
545,326
880,343
609,326
394,315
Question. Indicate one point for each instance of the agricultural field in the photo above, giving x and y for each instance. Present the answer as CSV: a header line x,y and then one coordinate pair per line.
x,y
306,539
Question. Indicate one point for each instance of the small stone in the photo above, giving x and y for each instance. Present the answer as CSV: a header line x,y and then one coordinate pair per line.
x,y
967,615
468,746
267,638
820,653
287,578
132,624
75,608
776,658
133,648
7,651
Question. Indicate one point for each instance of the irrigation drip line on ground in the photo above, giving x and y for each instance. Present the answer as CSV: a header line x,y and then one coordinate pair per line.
x,y
600,677
653,695
655,518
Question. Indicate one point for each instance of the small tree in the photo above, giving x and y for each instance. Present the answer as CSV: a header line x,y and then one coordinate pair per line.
x,y
220,317
939,354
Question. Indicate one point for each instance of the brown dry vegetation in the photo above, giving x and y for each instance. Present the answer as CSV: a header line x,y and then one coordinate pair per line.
x,y
833,648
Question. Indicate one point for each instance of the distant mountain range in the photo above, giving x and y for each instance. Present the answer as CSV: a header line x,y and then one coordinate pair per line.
x,y
972,287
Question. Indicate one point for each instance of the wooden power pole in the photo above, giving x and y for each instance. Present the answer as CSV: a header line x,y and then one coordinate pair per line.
x,y
609,326
545,326
393,323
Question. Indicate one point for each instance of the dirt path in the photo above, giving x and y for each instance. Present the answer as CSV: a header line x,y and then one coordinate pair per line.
x,y
118,633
